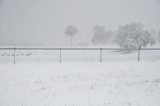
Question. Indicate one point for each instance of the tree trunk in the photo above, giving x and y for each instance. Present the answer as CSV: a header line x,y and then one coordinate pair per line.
x,y
71,40
139,53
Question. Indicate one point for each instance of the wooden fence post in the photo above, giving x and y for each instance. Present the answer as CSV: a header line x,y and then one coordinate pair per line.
x,y
100,55
14,55
139,53
60,55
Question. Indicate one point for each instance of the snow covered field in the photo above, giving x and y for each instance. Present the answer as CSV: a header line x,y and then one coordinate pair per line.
x,y
119,81
25,56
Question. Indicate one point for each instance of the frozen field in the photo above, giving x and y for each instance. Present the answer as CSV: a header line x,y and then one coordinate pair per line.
x,y
118,81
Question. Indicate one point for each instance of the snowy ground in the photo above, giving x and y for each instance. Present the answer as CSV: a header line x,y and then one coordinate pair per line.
x,y
80,84
25,56
119,81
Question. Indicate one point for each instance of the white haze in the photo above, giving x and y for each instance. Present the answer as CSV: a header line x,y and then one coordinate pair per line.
x,y
44,21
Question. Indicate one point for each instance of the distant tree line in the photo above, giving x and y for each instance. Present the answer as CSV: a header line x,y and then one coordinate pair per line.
x,y
129,36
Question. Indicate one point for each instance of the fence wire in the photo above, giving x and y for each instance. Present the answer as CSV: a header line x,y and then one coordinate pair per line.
x,y
19,55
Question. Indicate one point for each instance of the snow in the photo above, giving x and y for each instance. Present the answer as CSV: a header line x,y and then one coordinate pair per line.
x,y
80,84
38,79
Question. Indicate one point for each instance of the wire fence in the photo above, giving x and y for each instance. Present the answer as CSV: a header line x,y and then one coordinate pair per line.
x,y
77,54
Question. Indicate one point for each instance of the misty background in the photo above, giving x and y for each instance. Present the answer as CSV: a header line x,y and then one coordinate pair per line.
x,y
43,22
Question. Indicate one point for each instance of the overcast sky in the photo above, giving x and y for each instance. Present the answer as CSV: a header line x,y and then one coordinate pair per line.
x,y
44,21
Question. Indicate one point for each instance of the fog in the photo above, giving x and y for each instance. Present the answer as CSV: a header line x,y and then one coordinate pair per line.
x,y
44,21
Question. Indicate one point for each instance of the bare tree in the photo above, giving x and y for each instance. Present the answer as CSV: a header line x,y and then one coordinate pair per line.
x,y
70,32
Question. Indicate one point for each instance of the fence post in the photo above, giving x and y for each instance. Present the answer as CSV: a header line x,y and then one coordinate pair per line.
x,y
139,53
100,55
60,55
14,55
